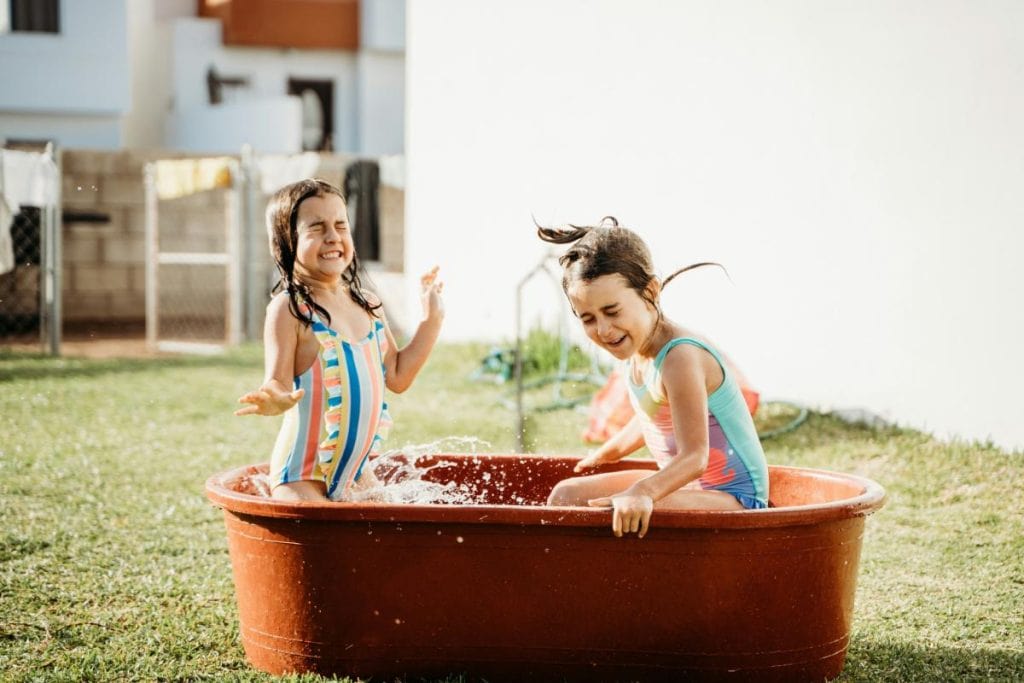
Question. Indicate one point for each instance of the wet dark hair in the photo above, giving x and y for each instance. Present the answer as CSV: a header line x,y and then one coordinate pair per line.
x,y
608,249
282,228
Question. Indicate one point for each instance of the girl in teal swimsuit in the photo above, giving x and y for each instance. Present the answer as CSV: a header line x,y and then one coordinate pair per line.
x,y
690,411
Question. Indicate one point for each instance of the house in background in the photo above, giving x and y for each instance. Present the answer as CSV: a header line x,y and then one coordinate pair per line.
x,y
116,84
288,75
205,76
64,72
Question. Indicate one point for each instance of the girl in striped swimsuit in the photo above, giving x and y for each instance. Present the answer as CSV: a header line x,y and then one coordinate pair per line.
x,y
329,351
689,409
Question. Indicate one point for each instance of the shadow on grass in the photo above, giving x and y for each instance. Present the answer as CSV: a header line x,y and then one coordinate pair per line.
x,y
888,661
26,366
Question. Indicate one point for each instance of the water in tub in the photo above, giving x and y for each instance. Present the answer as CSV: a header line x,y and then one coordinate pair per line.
x,y
401,480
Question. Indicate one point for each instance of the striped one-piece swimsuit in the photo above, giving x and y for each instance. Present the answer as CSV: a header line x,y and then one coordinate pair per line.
x,y
736,463
329,434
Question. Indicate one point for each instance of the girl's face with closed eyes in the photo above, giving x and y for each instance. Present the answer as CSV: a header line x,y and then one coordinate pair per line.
x,y
324,248
613,314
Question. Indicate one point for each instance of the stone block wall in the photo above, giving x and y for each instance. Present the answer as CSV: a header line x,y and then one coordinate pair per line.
x,y
104,232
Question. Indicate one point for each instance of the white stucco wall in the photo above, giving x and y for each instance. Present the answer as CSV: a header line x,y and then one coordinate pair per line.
x,y
197,45
89,132
271,125
856,166
381,102
71,86
381,69
149,43
382,25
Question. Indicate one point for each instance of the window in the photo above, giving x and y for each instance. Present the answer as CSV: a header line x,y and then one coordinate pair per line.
x,y
38,16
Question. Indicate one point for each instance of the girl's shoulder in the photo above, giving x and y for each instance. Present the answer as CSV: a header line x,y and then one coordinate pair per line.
x,y
279,310
687,364
278,304
681,353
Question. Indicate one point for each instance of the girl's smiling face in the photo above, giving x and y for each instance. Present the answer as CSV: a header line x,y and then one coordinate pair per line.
x,y
613,314
324,248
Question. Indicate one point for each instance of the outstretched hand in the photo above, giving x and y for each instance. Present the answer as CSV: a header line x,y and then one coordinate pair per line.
x,y
593,459
430,293
267,400
630,512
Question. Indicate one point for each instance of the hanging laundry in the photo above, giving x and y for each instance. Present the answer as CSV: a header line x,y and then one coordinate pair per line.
x,y
392,170
26,179
361,188
276,171
182,177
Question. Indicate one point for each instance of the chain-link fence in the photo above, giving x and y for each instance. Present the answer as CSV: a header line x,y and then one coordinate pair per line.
x,y
20,314
193,271
192,303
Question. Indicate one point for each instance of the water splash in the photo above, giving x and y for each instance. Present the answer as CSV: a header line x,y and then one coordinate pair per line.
x,y
401,476
259,485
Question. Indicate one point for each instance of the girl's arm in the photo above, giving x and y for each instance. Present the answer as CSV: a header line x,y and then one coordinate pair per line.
x,y
622,443
280,339
402,365
685,382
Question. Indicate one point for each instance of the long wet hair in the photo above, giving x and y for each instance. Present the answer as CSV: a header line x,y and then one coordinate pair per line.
x,y
608,249
282,228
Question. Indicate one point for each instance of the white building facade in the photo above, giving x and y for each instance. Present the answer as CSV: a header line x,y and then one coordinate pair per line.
x,y
68,81
857,168
135,74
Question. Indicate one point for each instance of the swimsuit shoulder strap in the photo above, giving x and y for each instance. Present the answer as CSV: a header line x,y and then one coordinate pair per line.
x,y
672,343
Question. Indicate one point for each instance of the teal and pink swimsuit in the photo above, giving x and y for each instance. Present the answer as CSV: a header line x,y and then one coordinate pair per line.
x,y
736,463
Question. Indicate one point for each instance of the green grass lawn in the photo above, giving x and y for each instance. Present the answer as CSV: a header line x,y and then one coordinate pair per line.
x,y
113,565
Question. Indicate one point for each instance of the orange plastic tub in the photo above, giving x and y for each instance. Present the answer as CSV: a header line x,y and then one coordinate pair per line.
x,y
511,589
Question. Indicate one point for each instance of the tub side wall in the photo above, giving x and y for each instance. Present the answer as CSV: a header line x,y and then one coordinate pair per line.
x,y
428,598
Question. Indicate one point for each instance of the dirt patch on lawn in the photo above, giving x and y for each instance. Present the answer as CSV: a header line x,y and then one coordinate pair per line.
x,y
97,340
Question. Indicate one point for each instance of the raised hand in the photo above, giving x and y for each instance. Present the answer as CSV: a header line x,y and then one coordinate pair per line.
x,y
630,512
430,294
269,400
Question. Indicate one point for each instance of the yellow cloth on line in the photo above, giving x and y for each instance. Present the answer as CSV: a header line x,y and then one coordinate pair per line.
x,y
182,177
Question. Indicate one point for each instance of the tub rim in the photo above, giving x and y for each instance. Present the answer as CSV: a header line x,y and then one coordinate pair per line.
x,y
871,498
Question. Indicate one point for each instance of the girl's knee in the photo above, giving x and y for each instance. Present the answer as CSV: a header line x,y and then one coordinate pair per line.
x,y
566,492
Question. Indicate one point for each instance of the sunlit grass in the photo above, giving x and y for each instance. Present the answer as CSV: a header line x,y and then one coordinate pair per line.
x,y
113,566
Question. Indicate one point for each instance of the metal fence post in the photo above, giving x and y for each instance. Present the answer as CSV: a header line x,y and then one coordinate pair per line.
x,y
52,259
234,207
149,175
253,286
